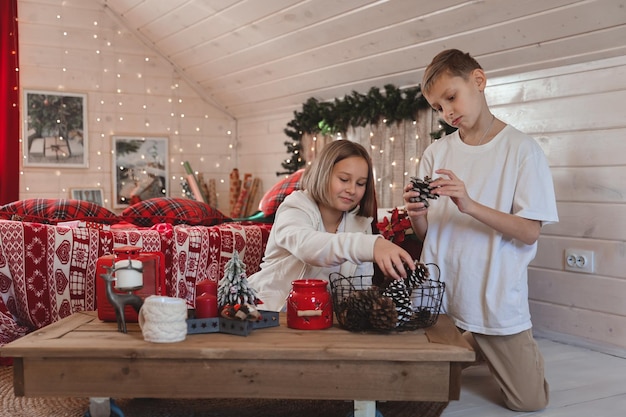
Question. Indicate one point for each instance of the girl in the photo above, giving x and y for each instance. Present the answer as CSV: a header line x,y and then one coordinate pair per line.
x,y
327,227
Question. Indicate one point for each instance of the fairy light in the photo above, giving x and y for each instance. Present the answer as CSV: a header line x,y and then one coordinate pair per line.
x,y
114,110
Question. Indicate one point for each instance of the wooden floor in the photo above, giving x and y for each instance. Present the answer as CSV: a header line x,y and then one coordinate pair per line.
x,y
583,383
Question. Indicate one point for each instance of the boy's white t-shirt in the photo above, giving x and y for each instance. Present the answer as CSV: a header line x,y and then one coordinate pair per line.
x,y
486,272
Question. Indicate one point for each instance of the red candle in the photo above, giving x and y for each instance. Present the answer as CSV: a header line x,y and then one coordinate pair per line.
x,y
206,286
206,306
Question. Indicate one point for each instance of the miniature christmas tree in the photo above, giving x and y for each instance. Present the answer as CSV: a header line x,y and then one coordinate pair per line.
x,y
233,288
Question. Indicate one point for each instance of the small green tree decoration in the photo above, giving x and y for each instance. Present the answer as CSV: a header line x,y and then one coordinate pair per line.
x,y
233,288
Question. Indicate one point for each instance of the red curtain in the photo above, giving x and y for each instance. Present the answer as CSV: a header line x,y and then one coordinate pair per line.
x,y
9,104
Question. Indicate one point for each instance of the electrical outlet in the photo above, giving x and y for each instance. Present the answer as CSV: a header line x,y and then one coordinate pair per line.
x,y
579,260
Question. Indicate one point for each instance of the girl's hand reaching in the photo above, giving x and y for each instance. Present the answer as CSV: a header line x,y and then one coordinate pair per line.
x,y
392,259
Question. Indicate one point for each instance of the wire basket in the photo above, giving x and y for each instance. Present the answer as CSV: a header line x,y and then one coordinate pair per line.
x,y
408,304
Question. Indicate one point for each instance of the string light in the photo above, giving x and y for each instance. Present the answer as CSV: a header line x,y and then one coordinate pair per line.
x,y
118,110
117,106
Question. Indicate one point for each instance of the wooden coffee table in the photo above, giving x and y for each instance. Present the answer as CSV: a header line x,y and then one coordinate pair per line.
x,y
81,356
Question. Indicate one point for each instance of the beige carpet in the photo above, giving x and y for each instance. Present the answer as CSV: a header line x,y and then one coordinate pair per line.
x,y
11,406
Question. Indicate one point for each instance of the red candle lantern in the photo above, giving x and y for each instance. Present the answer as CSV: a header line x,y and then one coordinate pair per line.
x,y
127,261
309,305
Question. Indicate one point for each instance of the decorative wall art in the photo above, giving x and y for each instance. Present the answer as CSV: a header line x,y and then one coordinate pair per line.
x,y
55,126
94,195
140,169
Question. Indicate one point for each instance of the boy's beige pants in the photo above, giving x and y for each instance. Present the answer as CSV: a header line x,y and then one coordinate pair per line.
x,y
517,365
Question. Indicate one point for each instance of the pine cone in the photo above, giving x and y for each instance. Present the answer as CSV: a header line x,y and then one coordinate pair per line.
x,y
401,297
417,277
383,315
357,307
422,316
420,319
423,187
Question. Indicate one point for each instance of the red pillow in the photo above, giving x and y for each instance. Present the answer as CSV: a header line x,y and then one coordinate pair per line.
x,y
275,196
173,211
53,211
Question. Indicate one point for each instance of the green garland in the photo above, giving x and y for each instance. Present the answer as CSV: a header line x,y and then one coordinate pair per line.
x,y
445,129
393,105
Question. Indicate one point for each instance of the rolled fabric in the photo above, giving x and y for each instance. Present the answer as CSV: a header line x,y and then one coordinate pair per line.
x,y
235,188
212,193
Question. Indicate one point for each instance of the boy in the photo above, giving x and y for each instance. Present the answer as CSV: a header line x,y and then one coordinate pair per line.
x,y
496,192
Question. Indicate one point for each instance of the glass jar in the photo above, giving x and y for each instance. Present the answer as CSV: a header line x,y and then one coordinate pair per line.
x,y
309,305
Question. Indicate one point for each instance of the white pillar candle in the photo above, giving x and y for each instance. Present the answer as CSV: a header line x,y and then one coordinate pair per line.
x,y
127,278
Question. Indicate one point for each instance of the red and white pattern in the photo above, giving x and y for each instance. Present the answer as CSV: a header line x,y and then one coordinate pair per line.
x,y
202,252
48,272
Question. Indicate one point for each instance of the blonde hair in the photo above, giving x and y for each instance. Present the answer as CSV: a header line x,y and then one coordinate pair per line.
x,y
452,62
316,178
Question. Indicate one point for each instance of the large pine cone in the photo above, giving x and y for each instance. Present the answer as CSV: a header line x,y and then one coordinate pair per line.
x,y
356,309
401,296
368,309
423,187
384,315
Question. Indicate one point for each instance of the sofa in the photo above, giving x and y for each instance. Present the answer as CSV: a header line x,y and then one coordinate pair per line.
x,y
48,264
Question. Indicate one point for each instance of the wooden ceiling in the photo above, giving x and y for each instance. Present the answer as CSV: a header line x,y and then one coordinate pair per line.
x,y
255,57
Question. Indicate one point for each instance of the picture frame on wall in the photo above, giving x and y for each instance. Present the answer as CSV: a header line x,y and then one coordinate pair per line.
x,y
55,129
140,169
93,195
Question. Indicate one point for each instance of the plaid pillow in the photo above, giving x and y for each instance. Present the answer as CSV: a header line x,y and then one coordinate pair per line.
x,y
173,211
53,211
272,199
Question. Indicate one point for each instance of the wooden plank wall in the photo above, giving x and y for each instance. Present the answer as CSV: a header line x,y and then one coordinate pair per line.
x,y
130,91
577,114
